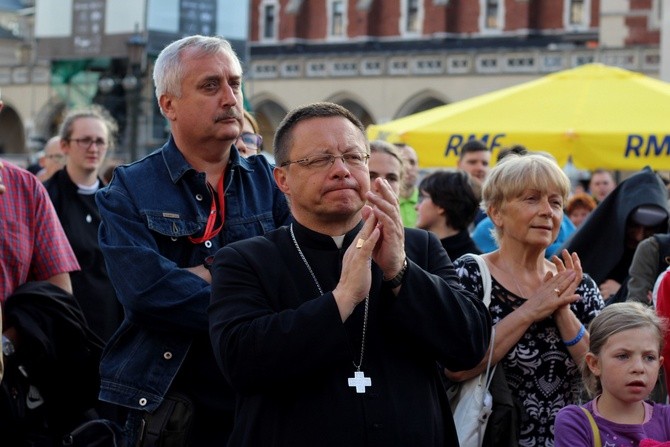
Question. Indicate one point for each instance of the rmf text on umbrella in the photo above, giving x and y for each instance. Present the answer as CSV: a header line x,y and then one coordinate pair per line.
x,y
456,141
652,145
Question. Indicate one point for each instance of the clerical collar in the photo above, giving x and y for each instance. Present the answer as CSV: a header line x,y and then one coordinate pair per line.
x,y
339,240
313,239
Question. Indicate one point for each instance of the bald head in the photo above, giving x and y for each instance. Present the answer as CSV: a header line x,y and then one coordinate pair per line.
x,y
53,160
53,146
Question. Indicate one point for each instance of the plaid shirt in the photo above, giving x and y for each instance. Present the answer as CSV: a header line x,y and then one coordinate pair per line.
x,y
33,245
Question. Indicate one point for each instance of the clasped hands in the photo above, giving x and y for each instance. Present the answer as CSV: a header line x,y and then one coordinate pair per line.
x,y
382,239
558,289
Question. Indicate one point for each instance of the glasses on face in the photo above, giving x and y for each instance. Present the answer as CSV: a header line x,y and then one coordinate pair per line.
x,y
351,159
251,140
57,157
86,142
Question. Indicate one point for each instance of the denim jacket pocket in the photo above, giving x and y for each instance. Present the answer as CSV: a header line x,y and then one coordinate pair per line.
x,y
248,226
172,224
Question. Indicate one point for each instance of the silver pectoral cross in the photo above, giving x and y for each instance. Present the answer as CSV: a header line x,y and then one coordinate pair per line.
x,y
359,381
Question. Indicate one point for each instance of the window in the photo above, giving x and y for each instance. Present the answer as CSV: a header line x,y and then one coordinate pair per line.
x,y
268,19
412,24
337,18
577,14
411,16
491,13
491,16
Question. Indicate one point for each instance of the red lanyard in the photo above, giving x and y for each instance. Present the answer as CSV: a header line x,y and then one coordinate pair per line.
x,y
210,232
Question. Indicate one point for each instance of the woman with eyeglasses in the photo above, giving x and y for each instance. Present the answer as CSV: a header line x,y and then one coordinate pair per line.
x,y
86,136
250,141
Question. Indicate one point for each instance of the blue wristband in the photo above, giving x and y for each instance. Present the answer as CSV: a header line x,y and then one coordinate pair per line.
x,y
577,339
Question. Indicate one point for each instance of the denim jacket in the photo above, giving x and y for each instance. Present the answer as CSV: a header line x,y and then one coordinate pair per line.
x,y
148,211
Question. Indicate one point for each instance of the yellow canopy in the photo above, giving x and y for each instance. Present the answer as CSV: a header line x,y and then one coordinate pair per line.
x,y
604,117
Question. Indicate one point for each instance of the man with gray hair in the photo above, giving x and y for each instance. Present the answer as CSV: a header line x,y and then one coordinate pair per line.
x,y
163,218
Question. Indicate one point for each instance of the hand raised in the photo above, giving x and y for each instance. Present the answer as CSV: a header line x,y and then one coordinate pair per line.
x,y
389,252
356,276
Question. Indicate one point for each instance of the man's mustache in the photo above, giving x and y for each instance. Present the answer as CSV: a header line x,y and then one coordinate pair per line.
x,y
231,113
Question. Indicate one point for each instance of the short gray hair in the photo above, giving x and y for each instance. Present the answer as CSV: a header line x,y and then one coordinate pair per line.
x,y
168,68
516,173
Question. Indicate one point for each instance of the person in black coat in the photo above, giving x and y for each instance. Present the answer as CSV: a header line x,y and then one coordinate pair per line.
x,y
85,136
52,378
337,340
607,240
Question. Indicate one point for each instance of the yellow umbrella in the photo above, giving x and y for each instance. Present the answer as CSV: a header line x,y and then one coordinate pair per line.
x,y
604,117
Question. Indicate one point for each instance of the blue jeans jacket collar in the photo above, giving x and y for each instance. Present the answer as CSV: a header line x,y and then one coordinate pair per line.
x,y
177,165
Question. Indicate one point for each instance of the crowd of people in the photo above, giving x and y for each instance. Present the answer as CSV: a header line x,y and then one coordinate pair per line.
x,y
323,295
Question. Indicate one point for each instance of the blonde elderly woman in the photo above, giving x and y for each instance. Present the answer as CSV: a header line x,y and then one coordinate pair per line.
x,y
539,307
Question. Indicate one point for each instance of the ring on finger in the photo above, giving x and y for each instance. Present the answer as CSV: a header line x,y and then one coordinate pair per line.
x,y
558,292
360,242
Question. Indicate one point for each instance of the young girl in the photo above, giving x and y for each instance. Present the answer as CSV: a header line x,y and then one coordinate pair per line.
x,y
620,369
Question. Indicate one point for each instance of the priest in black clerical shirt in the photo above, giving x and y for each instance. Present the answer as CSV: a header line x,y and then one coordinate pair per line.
x,y
331,329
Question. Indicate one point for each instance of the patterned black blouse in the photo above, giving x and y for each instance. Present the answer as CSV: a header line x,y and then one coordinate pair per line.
x,y
540,371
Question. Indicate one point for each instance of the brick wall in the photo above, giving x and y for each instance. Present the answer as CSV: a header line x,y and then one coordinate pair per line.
x,y
380,18
639,30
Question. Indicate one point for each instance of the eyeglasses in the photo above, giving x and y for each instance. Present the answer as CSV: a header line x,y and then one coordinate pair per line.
x,y
57,157
351,159
252,140
86,142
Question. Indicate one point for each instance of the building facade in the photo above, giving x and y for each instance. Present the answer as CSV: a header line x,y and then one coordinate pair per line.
x,y
382,59
387,59
23,80
82,52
